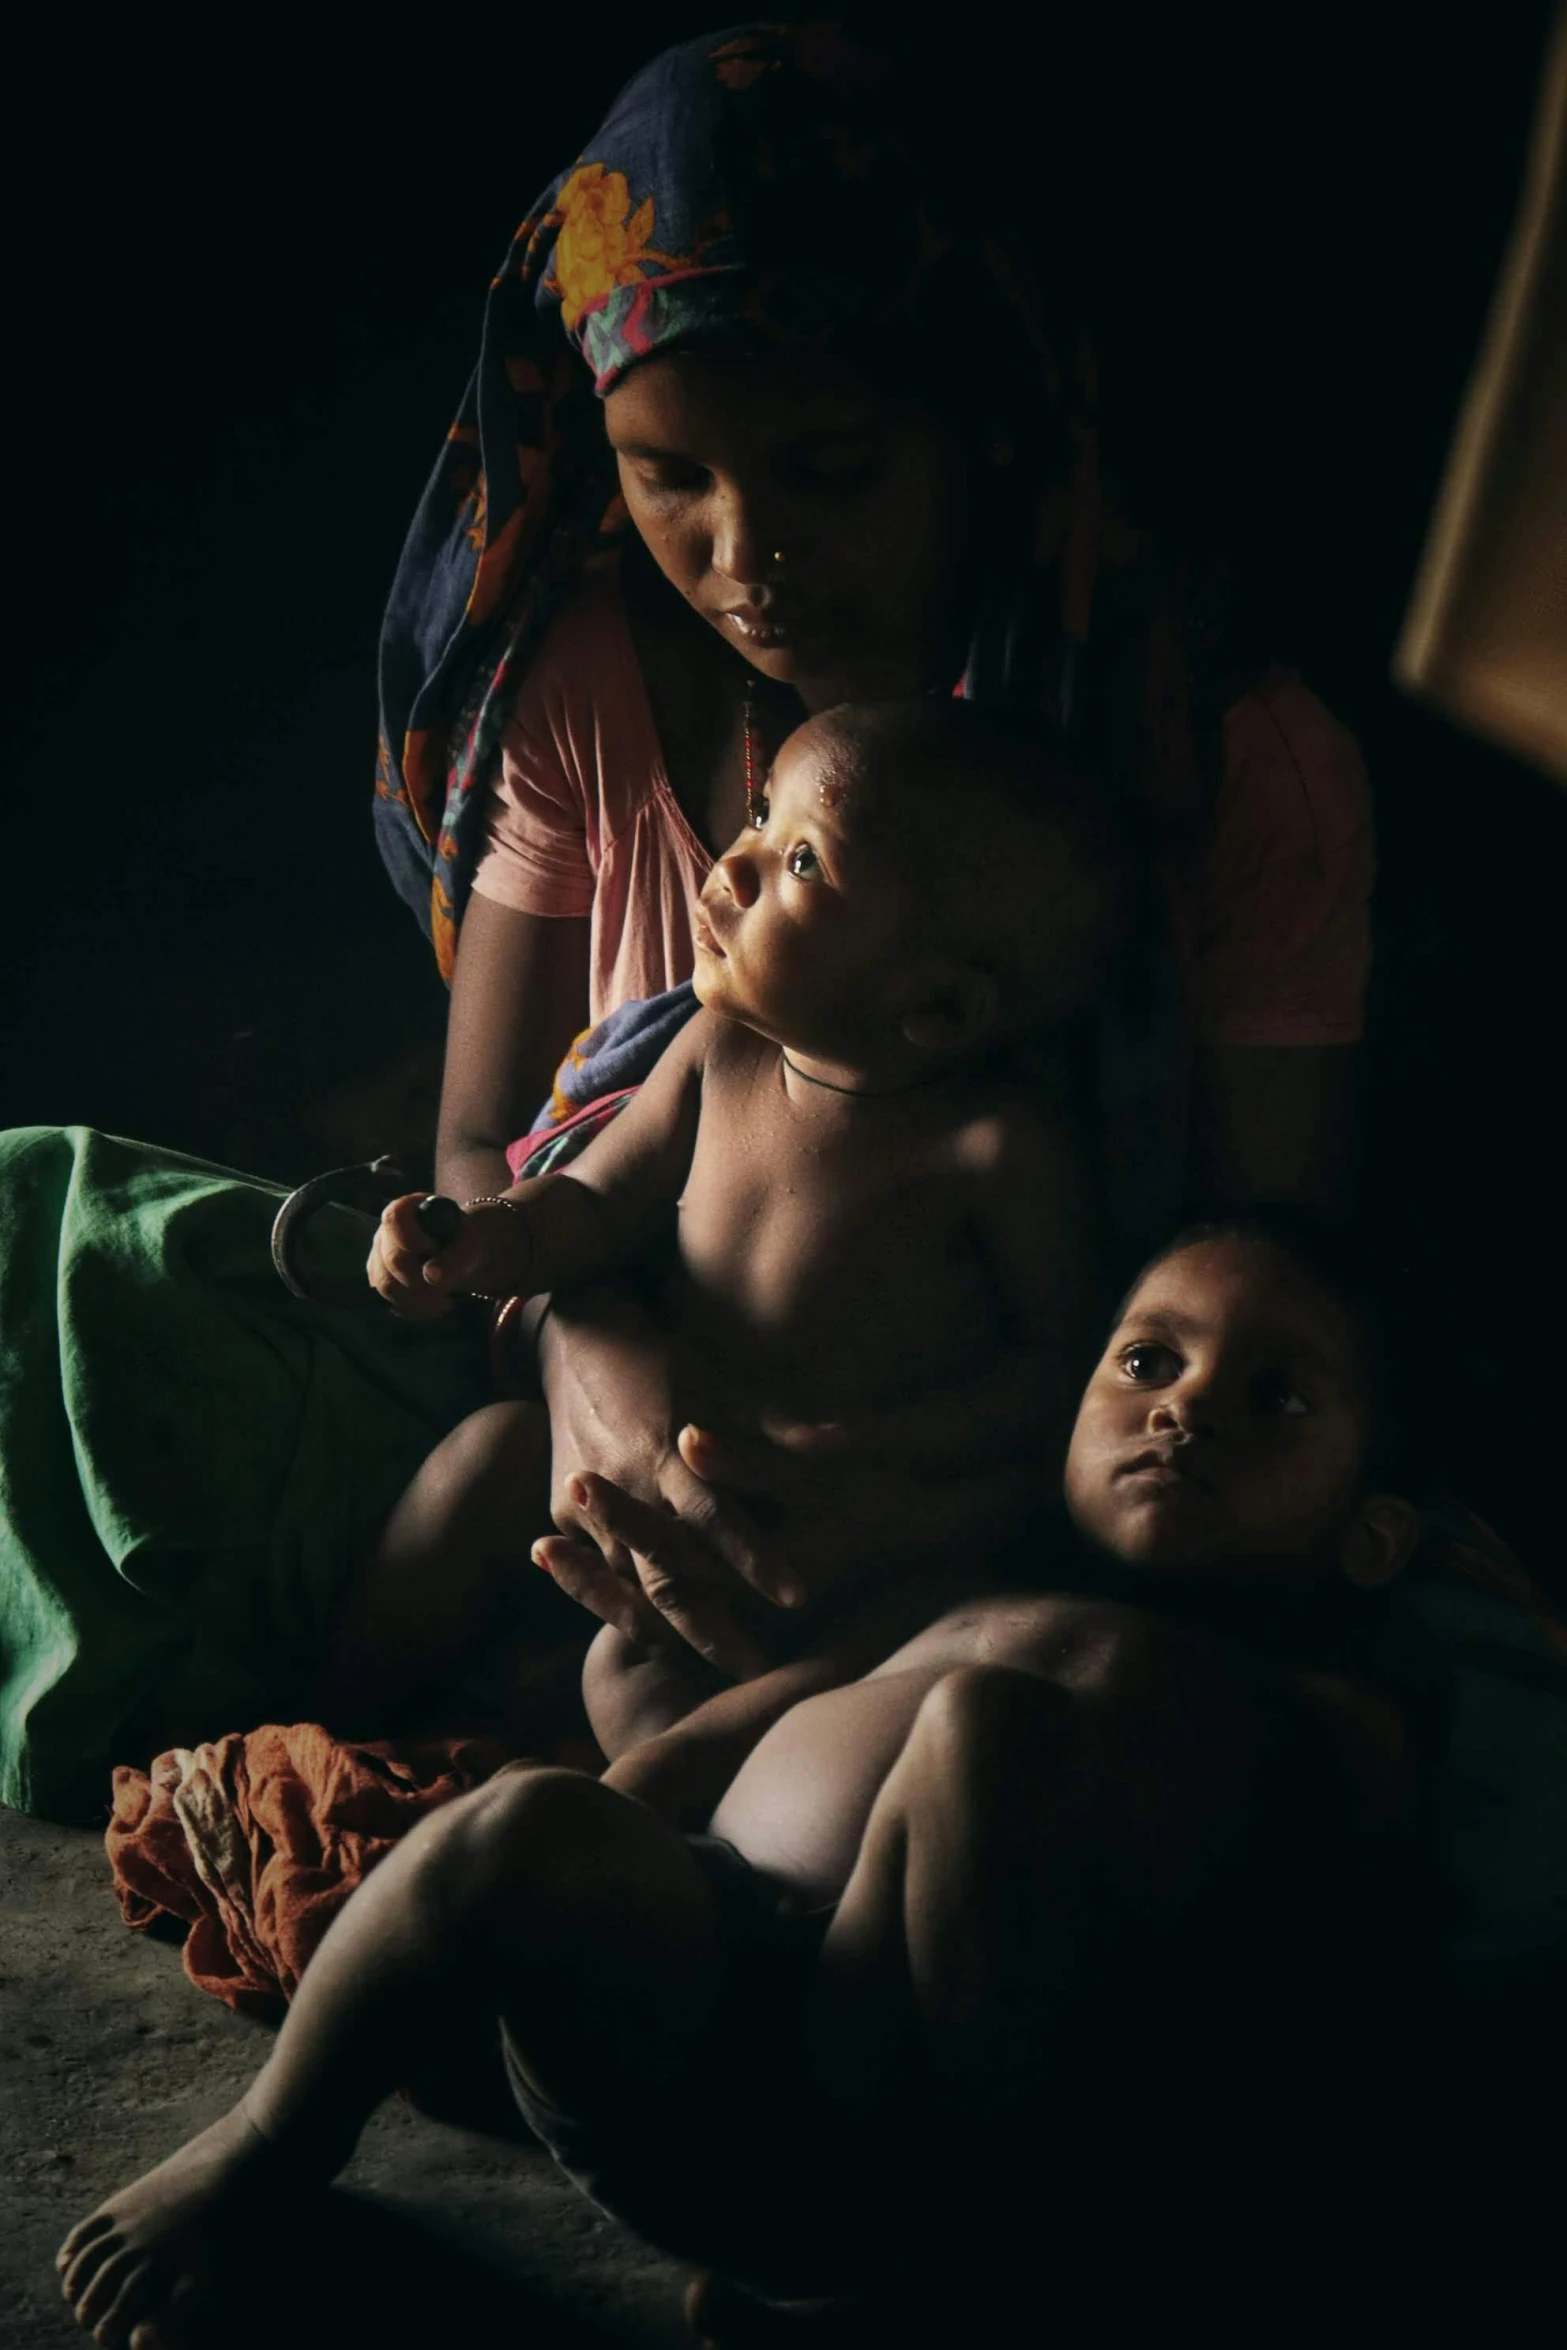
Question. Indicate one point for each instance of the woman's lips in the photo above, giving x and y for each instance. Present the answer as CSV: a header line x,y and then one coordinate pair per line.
x,y
702,932
769,631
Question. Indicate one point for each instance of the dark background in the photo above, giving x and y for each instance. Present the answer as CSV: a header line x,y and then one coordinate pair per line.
x,y
245,283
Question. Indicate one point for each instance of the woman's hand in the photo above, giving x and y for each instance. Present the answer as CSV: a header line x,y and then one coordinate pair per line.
x,y
688,1570
421,1280
850,1498
950,1471
669,1530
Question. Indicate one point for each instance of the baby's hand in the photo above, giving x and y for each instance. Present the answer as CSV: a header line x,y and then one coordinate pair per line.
x,y
421,1279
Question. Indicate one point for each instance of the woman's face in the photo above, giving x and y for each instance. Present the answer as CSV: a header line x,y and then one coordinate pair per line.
x,y
815,522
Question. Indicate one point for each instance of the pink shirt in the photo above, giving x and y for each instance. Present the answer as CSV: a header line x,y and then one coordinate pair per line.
x,y
582,818
1274,925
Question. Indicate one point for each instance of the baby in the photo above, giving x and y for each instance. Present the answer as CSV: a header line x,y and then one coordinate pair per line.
x,y
1027,1802
848,1189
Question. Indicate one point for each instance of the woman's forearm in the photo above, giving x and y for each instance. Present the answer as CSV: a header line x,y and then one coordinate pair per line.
x,y
519,996
613,1308
471,1167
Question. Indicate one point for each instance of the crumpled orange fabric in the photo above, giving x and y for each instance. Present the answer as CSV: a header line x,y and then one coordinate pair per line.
x,y
256,1841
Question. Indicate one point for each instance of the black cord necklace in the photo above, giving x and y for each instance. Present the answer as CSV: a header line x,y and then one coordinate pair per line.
x,y
866,1093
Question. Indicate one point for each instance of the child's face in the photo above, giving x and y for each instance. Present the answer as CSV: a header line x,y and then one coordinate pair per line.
x,y
801,926
1225,1427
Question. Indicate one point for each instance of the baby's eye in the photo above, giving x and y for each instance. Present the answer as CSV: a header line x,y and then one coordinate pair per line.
x,y
1149,1365
802,861
1274,1393
757,812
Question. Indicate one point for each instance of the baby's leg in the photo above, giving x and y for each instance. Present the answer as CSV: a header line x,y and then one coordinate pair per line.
x,y
632,1693
1076,1932
455,1543
544,1898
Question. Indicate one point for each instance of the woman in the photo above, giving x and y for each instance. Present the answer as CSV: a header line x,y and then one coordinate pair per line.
x,y
821,447
851,468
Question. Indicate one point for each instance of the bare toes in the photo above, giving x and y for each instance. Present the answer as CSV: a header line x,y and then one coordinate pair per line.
x,y
95,2293
175,2326
137,2285
90,2258
84,2233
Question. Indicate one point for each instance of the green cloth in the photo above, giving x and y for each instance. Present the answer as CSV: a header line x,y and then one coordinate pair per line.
x,y
191,1460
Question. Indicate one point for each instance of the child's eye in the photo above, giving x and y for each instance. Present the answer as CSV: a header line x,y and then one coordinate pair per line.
x,y
802,861
757,812
1274,1393
1148,1365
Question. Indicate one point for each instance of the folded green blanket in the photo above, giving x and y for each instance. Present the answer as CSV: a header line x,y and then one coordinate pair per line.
x,y
191,1460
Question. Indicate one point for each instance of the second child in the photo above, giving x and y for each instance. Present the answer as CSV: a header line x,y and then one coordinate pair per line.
x,y
1070,1915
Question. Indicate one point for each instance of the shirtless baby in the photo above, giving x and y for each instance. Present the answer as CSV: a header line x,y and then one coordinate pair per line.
x,y
845,1186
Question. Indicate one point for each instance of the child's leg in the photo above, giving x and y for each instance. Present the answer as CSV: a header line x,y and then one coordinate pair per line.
x,y
1096,1903
458,1538
632,1692
567,1910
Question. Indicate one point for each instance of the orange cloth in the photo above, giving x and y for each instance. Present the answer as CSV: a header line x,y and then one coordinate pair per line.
x,y
256,1841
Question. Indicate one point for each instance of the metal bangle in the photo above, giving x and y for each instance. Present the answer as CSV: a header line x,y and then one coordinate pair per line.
x,y
501,1199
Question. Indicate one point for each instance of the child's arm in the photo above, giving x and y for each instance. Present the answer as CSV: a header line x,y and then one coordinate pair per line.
x,y
682,1771
553,1231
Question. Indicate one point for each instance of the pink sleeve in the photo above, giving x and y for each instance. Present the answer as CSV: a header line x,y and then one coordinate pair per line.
x,y
1280,924
537,857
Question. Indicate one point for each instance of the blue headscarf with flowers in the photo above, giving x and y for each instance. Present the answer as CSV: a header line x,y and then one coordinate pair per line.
x,y
753,183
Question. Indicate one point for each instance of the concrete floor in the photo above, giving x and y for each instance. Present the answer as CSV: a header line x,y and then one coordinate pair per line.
x,y
436,2236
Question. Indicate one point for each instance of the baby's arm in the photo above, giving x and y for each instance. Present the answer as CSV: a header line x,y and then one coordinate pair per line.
x,y
676,1747
553,1231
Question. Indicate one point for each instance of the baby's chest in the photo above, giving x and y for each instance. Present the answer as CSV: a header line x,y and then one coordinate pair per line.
x,y
871,1260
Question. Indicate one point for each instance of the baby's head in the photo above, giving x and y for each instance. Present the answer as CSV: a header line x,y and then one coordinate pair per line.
x,y
1237,1426
925,880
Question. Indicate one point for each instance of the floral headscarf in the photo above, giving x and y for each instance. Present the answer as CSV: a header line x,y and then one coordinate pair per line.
x,y
749,183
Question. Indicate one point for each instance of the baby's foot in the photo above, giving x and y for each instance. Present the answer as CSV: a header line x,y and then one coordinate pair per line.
x,y
135,2272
